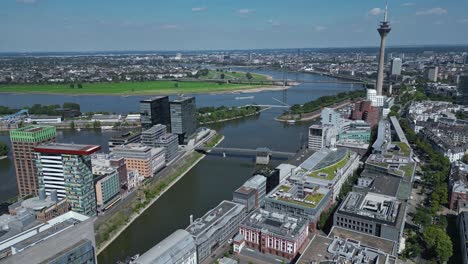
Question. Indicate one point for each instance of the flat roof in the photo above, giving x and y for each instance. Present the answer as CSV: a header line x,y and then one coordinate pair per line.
x,y
153,98
386,245
65,148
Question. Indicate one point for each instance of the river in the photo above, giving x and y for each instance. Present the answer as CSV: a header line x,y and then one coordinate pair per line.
x,y
208,183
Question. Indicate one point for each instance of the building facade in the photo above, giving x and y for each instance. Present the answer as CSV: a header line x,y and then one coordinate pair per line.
x,y
145,160
155,110
183,117
112,161
67,169
366,111
149,136
463,90
258,182
23,142
107,187
170,143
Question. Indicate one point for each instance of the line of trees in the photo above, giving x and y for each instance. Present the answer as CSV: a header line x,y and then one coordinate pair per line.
x,y
213,114
38,109
3,149
325,101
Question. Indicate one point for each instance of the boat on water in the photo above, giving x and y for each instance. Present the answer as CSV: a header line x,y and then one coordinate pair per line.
x,y
291,121
244,97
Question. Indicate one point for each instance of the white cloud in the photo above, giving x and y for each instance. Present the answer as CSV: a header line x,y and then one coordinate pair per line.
x,y
199,9
27,1
408,4
169,26
245,11
376,11
463,21
433,11
319,28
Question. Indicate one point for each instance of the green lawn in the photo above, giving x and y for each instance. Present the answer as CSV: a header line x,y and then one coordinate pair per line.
x,y
284,188
404,149
408,169
330,170
126,88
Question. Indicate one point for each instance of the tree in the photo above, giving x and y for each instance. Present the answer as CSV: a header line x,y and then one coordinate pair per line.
x,y
222,76
96,124
465,158
3,149
422,217
80,86
72,85
72,125
438,243
249,75
176,85
71,105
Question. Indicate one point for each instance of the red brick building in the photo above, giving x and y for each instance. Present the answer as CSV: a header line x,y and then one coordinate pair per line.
x,y
365,111
274,233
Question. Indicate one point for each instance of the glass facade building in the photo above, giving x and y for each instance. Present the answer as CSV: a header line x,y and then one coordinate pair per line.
x,y
155,110
183,119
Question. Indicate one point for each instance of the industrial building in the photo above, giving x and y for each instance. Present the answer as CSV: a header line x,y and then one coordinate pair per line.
x,y
274,233
67,169
44,207
216,227
178,248
23,142
155,110
183,119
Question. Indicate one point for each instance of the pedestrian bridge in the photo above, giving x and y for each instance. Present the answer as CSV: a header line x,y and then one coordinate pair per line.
x,y
253,152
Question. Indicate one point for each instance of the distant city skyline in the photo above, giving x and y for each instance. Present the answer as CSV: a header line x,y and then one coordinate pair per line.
x,y
54,25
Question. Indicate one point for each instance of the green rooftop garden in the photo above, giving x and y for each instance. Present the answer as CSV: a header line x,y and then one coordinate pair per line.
x,y
315,198
404,148
330,170
408,169
284,188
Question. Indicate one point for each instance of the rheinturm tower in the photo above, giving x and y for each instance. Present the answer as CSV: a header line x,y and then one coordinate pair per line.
x,y
383,30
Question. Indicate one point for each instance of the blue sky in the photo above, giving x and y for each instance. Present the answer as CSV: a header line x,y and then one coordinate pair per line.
x,y
90,25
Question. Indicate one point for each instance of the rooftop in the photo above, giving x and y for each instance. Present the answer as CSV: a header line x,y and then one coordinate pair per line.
x,y
281,225
149,100
289,193
374,206
65,148
211,217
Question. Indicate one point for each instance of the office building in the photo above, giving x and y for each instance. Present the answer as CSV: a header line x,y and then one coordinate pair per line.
x,y
149,136
328,169
216,227
272,177
155,110
23,142
299,201
384,29
372,213
463,90
107,187
125,139
45,207
170,143
68,238
322,137
67,169
346,246
258,183
274,233
432,73
112,161
147,161
246,196
183,117
178,248
330,117
396,66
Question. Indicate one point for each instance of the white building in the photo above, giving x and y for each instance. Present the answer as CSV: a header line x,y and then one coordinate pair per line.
x,y
432,73
396,66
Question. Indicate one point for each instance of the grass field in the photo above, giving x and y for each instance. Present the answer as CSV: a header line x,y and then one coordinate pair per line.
x,y
126,88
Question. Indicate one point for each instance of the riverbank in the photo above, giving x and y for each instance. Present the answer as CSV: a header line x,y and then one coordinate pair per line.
x,y
313,115
107,230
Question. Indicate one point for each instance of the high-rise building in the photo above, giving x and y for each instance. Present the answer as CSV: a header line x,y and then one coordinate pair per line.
x,y
145,160
316,137
67,169
149,136
396,66
155,110
432,73
183,119
258,182
170,142
23,141
115,162
463,90
107,187
384,29
366,111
